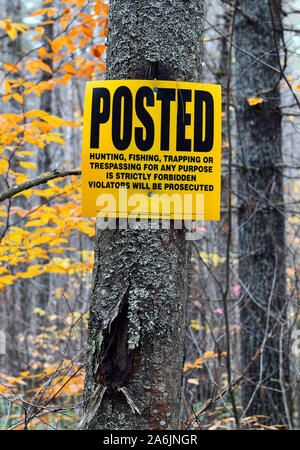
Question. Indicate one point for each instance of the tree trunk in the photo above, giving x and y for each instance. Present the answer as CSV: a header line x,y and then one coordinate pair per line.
x,y
261,213
141,277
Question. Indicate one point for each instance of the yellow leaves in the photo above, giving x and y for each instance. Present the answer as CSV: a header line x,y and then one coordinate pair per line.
x,y
195,324
28,165
198,363
59,122
53,138
254,101
211,258
41,239
293,220
12,28
65,266
39,311
45,233
58,241
85,227
37,65
8,86
3,165
289,79
46,193
38,222
6,280
18,97
32,271
10,67
3,270
35,113
58,265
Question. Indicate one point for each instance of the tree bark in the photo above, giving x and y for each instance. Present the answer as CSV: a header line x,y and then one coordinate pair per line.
x,y
261,214
141,277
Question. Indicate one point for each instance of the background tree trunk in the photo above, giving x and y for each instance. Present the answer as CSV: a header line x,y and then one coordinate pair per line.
x,y
141,277
261,213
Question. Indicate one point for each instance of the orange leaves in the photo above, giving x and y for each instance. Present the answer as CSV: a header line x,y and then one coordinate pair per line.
x,y
37,65
43,234
97,8
254,101
62,384
67,16
71,36
98,51
42,52
58,43
40,30
69,68
49,11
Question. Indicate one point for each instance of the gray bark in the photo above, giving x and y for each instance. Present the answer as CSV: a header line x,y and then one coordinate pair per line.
x,y
261,215
140,280
10,52
44,163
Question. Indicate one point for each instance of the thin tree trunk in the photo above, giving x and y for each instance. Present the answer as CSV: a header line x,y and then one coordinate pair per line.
x,y
11,51
141,277
44,162
261,212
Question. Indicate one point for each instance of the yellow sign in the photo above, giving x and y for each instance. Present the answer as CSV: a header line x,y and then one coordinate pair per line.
x,y
152,149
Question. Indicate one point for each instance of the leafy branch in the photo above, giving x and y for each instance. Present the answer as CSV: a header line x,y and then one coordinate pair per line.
x,y
36,181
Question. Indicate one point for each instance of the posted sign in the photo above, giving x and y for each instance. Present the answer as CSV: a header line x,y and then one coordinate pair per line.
x,y
151,148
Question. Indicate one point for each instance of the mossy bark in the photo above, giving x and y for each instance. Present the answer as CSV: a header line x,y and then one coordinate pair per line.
x,y
141,277
261,213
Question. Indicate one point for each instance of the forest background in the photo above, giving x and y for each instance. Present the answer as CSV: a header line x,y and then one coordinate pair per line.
x,y
48,51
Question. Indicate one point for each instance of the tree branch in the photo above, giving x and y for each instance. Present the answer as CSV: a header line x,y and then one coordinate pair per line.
x,y
41,179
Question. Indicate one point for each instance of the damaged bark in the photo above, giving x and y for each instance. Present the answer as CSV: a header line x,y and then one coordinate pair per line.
x,y
141,277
